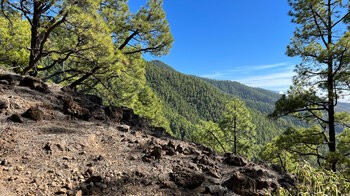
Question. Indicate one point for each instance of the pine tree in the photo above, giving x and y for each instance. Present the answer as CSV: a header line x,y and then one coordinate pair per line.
x,y
237,127
50,17
322,42
14,37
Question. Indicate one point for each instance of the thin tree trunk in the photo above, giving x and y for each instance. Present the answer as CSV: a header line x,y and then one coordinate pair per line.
x,y
35,39
331,125
235,135
217,141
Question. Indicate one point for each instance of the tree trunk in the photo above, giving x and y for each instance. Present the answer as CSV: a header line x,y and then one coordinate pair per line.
x,y
235,136
35,39
331,125
330,88
222,146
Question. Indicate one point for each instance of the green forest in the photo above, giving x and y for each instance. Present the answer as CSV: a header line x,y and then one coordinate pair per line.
x,y
98,47
188,100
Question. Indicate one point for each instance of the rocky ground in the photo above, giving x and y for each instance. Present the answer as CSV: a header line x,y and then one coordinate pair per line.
x,y
57,142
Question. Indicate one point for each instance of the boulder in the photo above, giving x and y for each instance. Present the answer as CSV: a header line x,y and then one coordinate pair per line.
x,y
94,99
3,104
157,153
215,190
72,108
35,84
94,179
187,178
234,160
15,118
169,148
241,184
9,78
98,113
34,113
255,180
114,113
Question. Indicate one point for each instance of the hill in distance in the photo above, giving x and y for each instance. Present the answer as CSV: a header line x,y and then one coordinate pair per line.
x,y
188,99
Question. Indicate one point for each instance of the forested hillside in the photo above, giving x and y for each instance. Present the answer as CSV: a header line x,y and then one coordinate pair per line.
x,y
260,99
188,99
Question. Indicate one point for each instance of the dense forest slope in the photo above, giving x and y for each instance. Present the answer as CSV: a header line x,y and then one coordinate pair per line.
x,y
259,99
188,99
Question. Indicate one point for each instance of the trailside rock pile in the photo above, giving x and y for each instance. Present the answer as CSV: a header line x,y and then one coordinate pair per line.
x,y
57,142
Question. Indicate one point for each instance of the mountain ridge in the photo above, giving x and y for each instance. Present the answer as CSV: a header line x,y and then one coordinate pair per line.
x,y
188,99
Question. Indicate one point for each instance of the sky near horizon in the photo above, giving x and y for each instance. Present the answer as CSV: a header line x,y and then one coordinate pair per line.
x,y
242,41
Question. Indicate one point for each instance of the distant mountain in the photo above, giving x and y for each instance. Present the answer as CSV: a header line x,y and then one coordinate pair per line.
x,y
160,64
343,107
260,99
188,99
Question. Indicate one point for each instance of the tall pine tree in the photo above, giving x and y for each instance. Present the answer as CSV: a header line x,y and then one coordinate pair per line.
x,y
237,127
322,41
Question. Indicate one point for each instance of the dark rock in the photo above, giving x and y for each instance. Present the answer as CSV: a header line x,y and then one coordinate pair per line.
x,y
180,149
241,184
123,128
34,113
99,114
99,158
94,179
215,190
233,160
277,168
159,132
211,172
3,104
114,113
187,178
28,82
51,147
72,108
61,191
287,181
168,184
4,82
94,99
262,184
90,171
128,114
204,159
35,84
157,153
254,180
47,147
130,118
147,159
169,149
15,118
9,78
171,144
5,162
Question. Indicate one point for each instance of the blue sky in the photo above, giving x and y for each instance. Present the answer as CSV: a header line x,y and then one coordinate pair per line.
x,y
243,41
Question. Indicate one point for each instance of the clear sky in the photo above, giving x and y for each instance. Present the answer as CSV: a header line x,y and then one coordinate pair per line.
x,y
243,41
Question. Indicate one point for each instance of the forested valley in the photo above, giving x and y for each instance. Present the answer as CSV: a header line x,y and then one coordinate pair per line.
x,y
98,47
